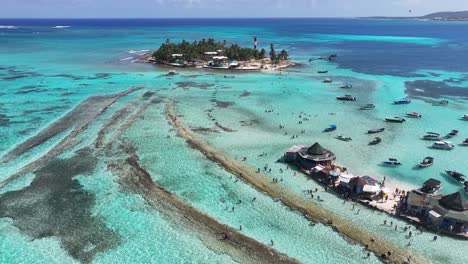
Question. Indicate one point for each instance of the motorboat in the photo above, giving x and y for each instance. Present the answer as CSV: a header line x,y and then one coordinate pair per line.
x,y
456,175
375,141
346,98
330,128
343,138
172,73
443,102
328,80
452,133
391,162
375,131
414,115
465,142
465,117
402,101
395,119
443,145
347,86
367,107
431,186
322,72
431,136
332,57
427,161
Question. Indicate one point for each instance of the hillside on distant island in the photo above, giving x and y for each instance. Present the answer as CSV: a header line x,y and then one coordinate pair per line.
x,y
439,16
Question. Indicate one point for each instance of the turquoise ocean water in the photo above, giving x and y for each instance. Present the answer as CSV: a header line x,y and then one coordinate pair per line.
x,y
45,72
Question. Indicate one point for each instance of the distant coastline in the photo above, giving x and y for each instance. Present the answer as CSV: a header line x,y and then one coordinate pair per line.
x,y
439,16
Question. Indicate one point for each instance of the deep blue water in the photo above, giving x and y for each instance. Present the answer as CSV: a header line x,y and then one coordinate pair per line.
x,y
362,56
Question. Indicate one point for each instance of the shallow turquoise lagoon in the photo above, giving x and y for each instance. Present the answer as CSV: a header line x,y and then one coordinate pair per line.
x,y
44,73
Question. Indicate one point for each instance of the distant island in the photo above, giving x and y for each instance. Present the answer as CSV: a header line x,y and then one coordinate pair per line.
x,y
439,16
218,55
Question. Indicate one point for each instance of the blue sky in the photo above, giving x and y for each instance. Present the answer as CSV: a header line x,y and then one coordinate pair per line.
x,y
222,8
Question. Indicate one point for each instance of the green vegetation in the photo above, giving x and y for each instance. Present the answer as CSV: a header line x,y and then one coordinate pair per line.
x,y
195,51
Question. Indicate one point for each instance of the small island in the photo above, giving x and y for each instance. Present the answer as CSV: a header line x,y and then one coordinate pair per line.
x,y
212,54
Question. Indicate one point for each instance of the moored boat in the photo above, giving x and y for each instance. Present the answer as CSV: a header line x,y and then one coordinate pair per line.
x,y
431,136
328,80
395,119
443,145
465,117
375,141
330,128
443,102
367,107
346,98
347,86
456,175
391,162
465,142
402,101
375,131
431,186
414,115
321,72
452,133
427,161
343,138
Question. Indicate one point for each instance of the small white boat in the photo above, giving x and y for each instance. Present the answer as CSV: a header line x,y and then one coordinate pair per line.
x,y
465,142
346,98
395,119
347,86
414,115
443,145
427,161
402,101
343,138
465,117
328,80
170,73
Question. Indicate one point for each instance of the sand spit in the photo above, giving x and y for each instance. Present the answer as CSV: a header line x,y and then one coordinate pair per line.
x,y
311,210
124,163
79,119
239,247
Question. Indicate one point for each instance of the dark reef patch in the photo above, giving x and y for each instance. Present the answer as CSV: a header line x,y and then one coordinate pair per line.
x,y
434,89
245,94
68,76
98,76
55,204
222,104
33,90
14,77
4,120
187,85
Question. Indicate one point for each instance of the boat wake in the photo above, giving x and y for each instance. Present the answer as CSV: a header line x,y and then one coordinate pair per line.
x,y
8,27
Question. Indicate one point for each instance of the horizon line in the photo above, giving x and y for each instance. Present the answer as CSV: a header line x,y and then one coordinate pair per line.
x,y
82,18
